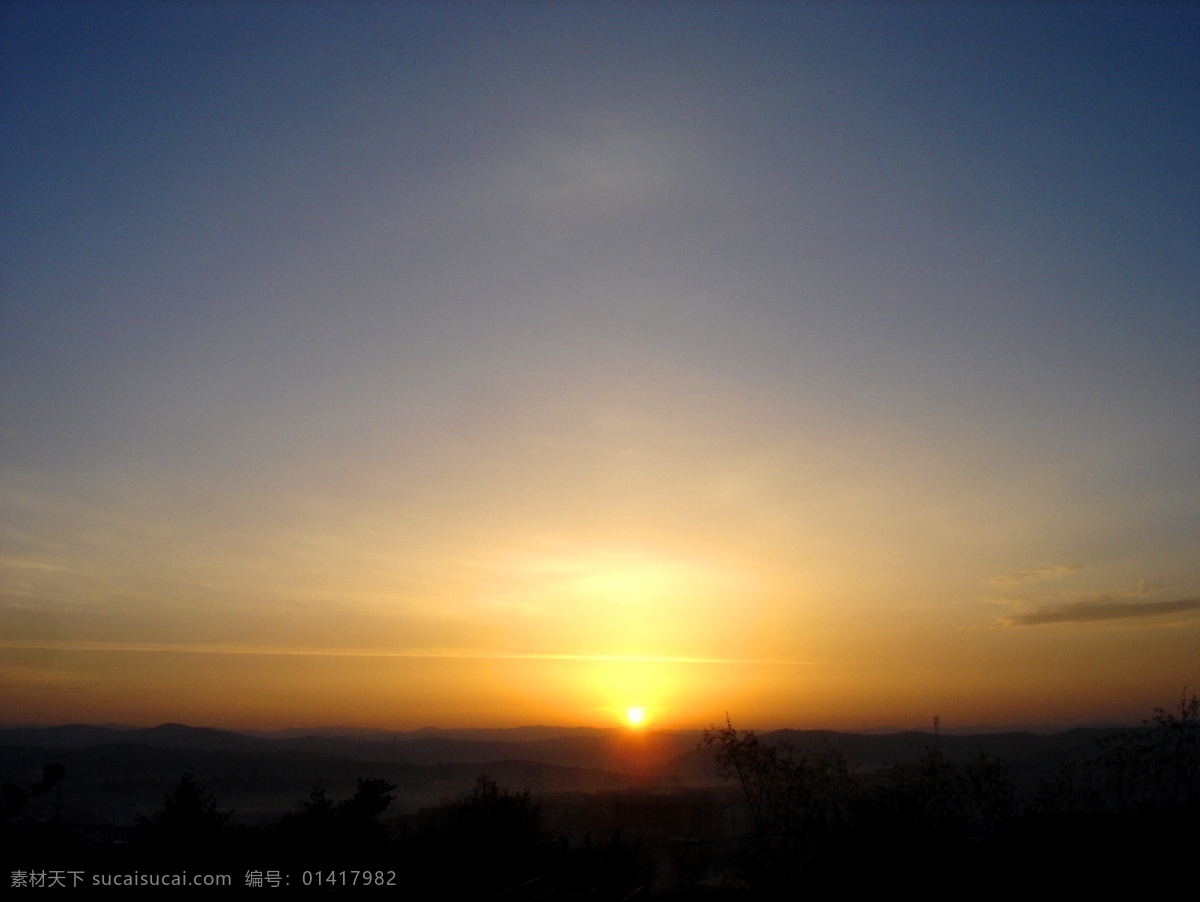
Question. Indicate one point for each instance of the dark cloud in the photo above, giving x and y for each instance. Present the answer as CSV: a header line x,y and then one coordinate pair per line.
x,y
1104,609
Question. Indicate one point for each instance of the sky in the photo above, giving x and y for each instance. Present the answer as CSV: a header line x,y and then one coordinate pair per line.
x,y
406,364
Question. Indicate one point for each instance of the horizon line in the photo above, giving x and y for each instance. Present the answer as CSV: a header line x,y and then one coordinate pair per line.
x,y
886,730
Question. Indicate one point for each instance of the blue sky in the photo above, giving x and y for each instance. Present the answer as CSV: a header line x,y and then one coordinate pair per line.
x,y
852,342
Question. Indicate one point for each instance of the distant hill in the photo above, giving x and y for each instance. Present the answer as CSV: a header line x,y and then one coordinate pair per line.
x,y
113,773
655,752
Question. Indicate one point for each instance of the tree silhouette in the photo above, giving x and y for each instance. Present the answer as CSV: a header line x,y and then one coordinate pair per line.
x,y
369,801
788,792
14,797
1174,747
350,827
993,795
495,817
189,821
799,802
489,833
1154,767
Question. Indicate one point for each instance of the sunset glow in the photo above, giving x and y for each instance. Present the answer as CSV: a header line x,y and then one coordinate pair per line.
x,y
582,364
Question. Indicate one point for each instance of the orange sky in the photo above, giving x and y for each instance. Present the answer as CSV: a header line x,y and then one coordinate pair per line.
x,y
399,365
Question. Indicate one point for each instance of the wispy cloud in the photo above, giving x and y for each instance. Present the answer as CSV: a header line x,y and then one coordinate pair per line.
x,y
1034,575
465,654
1104,608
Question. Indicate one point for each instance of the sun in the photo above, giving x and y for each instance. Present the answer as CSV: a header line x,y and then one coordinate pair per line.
x,y
635,716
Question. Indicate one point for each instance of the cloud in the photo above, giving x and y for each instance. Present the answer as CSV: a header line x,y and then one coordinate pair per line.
x,y
1104,608
425,654
1034,575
